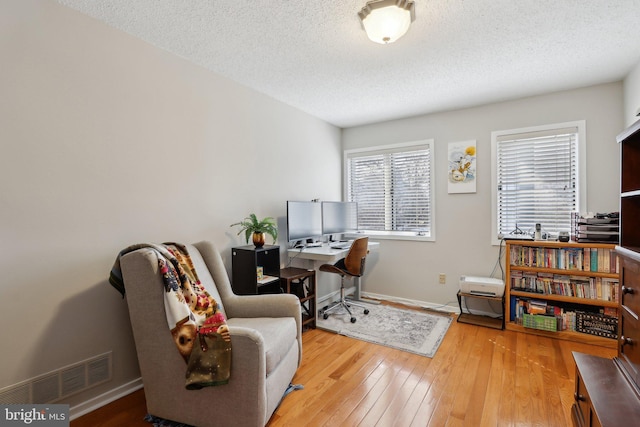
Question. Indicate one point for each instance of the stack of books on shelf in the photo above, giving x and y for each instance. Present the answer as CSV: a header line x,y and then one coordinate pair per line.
x,y
598,228
539,314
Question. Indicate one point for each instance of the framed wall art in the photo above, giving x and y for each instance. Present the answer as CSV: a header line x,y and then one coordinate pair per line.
x,y
462,167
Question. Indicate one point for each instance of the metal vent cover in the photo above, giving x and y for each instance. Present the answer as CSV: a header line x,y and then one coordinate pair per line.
x,y
60,383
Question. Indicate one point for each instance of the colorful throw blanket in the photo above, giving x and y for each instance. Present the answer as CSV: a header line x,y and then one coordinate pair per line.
x,y
198,327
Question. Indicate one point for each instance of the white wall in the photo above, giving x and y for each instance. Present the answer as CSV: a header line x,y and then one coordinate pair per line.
x,y
632,96
409,270
107,141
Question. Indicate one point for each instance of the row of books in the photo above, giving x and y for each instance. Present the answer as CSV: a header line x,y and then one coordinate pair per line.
x,y
557,318
601,288
601,260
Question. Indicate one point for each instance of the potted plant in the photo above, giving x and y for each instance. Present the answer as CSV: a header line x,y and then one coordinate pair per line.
x,y
257,229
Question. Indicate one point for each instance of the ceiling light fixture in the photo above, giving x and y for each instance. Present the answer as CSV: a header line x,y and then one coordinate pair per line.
x,y
385,21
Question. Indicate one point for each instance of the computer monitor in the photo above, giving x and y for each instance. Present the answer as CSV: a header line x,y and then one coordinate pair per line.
x,y
339,217
304,220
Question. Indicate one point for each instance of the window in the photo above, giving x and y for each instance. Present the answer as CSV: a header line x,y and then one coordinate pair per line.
x,y
538,178
393,188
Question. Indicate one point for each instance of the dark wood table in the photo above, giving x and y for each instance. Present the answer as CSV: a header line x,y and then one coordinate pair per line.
x,y
302,283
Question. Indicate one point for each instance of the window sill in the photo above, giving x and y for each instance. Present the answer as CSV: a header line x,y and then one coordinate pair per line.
x,y
389,235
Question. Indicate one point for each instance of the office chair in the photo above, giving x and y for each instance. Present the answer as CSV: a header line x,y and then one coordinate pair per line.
x,y
353,266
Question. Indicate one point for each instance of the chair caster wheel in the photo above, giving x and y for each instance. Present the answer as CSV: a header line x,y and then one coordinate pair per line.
x,y
353,320
325,316
366,312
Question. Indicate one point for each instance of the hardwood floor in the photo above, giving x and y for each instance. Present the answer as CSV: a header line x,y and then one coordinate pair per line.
x,y
478,377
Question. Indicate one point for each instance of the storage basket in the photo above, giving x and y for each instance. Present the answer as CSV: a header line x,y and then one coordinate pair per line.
x,y
538,321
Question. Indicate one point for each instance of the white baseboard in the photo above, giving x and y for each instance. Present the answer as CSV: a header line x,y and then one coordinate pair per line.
x,y
414,303
105,398
447,308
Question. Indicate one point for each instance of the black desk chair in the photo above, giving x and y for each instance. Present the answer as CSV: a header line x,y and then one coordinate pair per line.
x,y
353,266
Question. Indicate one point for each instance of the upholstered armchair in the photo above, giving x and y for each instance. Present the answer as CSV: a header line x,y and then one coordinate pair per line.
x,y
266,340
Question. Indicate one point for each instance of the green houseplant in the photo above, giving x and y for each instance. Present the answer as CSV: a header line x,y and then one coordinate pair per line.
x,y
257,229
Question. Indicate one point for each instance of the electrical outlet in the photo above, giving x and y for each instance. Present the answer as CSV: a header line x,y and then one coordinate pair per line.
x,y
442,278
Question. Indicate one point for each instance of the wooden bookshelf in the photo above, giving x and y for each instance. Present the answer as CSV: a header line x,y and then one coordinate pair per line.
x,y
533,258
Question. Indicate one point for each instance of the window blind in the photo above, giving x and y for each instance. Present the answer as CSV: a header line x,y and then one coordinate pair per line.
x,y
392,188
537,180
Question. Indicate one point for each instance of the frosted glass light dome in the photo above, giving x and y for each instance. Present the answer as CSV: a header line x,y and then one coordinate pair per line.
x,y
385,21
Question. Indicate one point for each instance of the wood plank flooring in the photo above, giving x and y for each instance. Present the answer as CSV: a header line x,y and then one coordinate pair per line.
x,y
478,377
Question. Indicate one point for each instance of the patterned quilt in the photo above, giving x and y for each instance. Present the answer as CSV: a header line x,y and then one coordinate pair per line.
x,y
198,327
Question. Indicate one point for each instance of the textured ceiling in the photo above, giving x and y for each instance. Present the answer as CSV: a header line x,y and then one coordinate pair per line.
x,y
313,54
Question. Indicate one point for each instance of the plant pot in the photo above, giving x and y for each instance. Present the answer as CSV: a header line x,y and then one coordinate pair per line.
x,y
258,239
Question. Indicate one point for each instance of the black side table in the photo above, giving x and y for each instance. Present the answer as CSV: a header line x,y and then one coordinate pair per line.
x,y
246,260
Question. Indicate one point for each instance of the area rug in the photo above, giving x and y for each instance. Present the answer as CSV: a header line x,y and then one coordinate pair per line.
x,y
408,330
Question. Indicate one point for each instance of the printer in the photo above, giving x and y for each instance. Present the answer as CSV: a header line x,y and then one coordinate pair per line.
x,y
486,286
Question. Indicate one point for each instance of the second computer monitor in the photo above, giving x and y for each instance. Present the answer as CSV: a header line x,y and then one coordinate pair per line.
x,y
339,217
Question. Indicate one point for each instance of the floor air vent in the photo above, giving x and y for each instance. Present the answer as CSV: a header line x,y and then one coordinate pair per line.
x,y
15,394
58,384
99,370
45,388
73,380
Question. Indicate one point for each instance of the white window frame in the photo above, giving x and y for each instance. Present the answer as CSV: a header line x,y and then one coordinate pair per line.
x,y
581,193
398,235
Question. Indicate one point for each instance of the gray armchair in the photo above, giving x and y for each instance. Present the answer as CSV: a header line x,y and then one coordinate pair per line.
x,y
266,340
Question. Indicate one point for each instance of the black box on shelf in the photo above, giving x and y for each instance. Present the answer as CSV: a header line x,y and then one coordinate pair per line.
x,y
597,324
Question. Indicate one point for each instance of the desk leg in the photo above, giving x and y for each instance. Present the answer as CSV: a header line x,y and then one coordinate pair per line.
x,y
357,296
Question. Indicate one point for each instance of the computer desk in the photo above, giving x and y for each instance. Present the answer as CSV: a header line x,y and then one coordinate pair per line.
x,y
328,255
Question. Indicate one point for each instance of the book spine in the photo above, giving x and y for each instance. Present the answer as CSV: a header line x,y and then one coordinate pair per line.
x,y
586,264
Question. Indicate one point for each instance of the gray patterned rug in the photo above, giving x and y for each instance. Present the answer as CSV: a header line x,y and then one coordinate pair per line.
x,y
409,330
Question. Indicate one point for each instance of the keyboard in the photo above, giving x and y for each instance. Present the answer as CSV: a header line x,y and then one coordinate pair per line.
x,y
341,245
